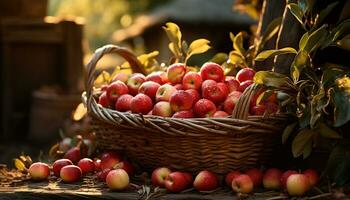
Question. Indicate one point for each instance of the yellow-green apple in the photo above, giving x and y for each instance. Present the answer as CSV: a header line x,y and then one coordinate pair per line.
x,y
220,114
104,101
192,80
285,176
117,179
255,175
245,74
70,173
205,181
230,176
86,165
121,77
216,93
149,88
184,114
162,109
164,92
123,103
141,103
312,175
127,166
181,100
272,179
115,90
178,86
258,109
58,164
243,85
176,72
158,77
159,175
212,71
97,163
231,101
101,175
204,108
110,159
39,171
242,184
135,82
73,154
176,182
297,184
232,83
195,95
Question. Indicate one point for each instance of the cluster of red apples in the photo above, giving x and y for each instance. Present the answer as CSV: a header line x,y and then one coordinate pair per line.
x,y
296,184
180,93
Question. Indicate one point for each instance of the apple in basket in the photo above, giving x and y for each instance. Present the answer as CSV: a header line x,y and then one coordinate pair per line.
x,y
149,88
158,77
181,100
176,72
115,90
164,92
135,82
192,80
141,103
162,109
204,108
245,74
212,71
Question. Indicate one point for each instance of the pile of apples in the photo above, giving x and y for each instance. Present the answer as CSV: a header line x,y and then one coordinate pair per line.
x,y
180,93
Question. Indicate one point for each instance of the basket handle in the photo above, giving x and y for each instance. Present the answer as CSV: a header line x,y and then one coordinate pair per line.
x,y
241,110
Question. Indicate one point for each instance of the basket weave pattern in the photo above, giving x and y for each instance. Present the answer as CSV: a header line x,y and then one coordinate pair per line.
x,y
216,144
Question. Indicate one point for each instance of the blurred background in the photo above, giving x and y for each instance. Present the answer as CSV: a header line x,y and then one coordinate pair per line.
x,y
45,44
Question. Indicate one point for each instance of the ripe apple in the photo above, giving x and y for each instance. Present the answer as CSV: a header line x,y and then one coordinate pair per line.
x,y
176,72
158,77
117,179
216,93
104,101
192,80
73,154
232,84
255,175
285,176
231,101
121,77
178,86
149,88
135,82
123,103
164,92
39,171
258,109
159,175
245,74
230,176
271,107
58,164
70,173
242,184
204,108
176,182
109,159
127,166
115,90
212,71
101,175
162,109
208,83
181,100
272,179
97,163
297,184
243,86
312,175
195,95
141,103
183,114
220,114
86,165
205,181
189,179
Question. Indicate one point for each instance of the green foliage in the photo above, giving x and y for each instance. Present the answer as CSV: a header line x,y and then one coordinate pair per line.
x,y
338,164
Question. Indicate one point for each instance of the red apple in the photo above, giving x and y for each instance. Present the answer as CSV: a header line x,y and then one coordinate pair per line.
x,y
220,114
181,100
297,184
258,109
285,176
164,92
192,80
135,82
255,175
231,101
126,166
58,164
149,88
121,77
232,84
109,159
208,83
312,175
115,90
117,179
184,114
141,103
101,175
178,86
159,175
70,174
271,107
230,176
176,182
205,181
86,165
212,71
195,95
243,86
123,103
73,154
39,171
97,163
245,74
272,179
176,72
158,77
215,93
204,108
162,109
189,179
242,184
104,101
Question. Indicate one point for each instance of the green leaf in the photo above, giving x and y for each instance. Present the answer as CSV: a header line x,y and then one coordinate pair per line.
x,y
271,53
341,29
238,43
219,58
236,58
271,30
315,39
330,74
324,13
301,141
300,61
338,165
303,40
327,132
296,11
271,79
307,149
197,47
341,100
287,131
344,43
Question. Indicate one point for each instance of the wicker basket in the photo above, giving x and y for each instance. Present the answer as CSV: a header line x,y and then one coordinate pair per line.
x,y
216,144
